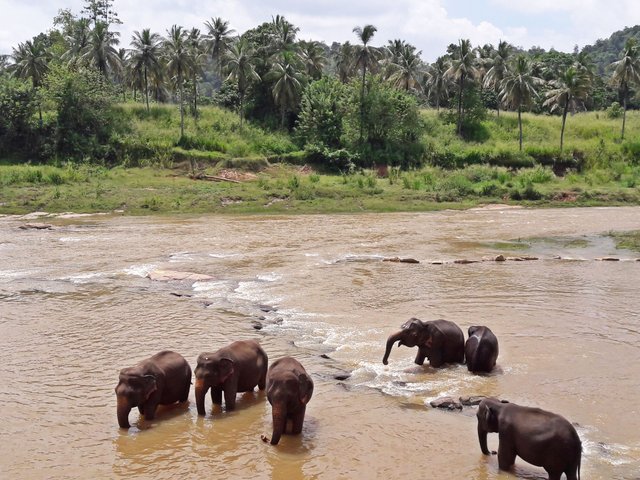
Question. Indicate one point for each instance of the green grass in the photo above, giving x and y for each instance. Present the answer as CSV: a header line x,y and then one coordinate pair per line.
x,y
627,240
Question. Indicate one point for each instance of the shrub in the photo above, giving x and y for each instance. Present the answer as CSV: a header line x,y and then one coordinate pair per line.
x,y
614,110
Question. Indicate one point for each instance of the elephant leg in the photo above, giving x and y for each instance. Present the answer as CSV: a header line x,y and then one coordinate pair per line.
x,y
422,354
506,455
262,382
185,393
298,420
216,395
555,475
150,410
230,398
571,474
436,360
141,409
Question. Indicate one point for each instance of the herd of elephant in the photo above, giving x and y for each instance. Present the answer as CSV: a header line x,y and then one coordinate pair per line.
x,y
539,437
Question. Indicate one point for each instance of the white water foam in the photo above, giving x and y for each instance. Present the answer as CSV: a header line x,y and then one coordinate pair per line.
x,y
83,277
140,270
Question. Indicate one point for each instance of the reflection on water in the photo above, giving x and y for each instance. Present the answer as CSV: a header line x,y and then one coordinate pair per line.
x,y
76,307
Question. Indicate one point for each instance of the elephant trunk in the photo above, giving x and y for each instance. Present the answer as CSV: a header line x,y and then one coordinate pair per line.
x,y
124,407
390,341
482,438
201,391
279,416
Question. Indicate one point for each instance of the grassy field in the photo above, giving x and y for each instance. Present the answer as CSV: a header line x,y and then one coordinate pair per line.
x,y
154,175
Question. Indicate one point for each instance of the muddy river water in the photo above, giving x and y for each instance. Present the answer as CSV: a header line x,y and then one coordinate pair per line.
x,y
76,306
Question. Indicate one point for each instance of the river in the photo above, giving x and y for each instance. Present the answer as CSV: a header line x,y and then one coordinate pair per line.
x,y
76,306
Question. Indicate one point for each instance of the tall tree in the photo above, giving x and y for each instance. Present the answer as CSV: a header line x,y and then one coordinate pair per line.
x,y
101,11
101,52
31,62
288,81
569,91
461,69
498,69
145,56
365,56
240,63
197,51
178,58
518,88
437,81
77,40
284,34
406,68
626,72
312,56
345,61
218,40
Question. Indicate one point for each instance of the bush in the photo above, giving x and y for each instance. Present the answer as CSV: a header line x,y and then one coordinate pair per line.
x,y
614,111
631,151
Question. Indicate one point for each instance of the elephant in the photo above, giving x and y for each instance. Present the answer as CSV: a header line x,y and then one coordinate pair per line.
x,y
238,367
289,389
441,341
162,379
539,437
481,349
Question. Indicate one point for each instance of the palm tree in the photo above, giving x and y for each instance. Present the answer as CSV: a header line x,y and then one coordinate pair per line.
x,y
462,67
284,34
197,52
240,63
179,63
406,68
498,69
145,55
437,82
518,87
31,61
312,56
345,62
77,41
626,72
365,57
288,81
218,40
569,91
100,52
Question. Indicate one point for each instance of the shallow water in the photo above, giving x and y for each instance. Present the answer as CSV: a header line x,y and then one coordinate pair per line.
x,y
76,307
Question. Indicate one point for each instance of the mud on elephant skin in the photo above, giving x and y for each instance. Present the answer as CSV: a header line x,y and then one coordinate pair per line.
x,y
162,379
289,389
441,341
238,367
481,350
539,437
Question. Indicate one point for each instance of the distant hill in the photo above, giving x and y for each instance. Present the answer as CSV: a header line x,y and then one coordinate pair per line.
x,y
604,52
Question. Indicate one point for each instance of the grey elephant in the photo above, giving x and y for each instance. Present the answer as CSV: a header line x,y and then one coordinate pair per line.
x,y
539,437
162,379
441,341
238,367
289,389
481,349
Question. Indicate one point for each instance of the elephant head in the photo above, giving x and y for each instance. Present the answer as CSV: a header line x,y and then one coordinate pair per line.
x,y
288,398
487,415
211,371
413,332
133,389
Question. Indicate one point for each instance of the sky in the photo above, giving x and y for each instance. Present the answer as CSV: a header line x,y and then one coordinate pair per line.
x,y
430,25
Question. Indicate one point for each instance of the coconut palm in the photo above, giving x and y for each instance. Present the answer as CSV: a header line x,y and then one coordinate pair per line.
x,y
284,34
288,82
101,52
179,62
461,68
345,62
218,40
626,72
569,91
498,69
31,62
437,82
312,56
407,68
197,51
77,41
365,56
241,65
145,56
518,87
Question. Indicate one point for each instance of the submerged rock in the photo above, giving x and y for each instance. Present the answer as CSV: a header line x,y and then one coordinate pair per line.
x,y
446,403
465,261
400,260
168,275
36,226
608,259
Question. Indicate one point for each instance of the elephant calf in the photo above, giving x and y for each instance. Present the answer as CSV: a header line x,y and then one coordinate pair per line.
x,y
289,389
162,379
441,341
481,350
539,437
238,367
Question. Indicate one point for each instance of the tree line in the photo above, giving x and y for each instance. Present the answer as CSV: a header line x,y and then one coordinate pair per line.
x,y
344,100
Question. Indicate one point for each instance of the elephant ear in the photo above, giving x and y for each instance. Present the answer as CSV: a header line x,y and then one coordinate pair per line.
x,y
411,323
226,368
306,388
150,385
491,417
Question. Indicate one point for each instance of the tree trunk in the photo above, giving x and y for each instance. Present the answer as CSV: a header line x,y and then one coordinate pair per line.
x,y
624,114
364,73
181,106
241,108
146,88
123,412
390,341
201,392
520,126
460,104
564,119
195,97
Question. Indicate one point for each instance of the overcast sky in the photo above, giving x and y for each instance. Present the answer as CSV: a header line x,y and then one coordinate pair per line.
x,y
430,25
